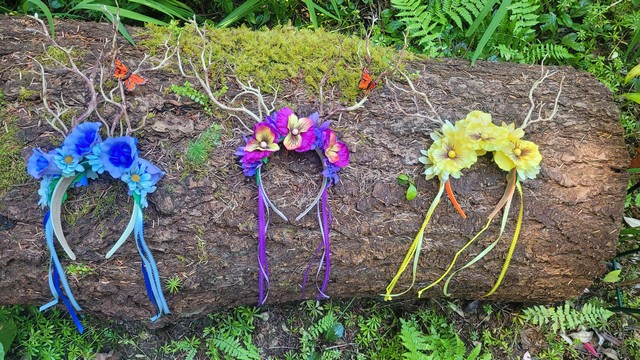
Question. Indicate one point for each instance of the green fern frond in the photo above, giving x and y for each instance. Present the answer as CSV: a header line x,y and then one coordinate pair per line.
x,y
539,51
232,347
565,317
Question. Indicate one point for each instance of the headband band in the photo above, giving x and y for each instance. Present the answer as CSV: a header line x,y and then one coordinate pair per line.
x,y
83,156
299,135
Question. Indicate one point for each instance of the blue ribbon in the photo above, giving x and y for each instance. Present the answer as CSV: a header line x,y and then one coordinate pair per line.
x,y
149,268
57,278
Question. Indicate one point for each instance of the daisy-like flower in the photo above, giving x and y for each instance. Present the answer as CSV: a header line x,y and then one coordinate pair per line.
x,y
94,158
522,155
140,182
67,163
484,135
263,143
448,156
298,132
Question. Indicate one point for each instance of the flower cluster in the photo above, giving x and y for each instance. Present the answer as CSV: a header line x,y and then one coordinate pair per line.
x,y
84,155
297,134
457,147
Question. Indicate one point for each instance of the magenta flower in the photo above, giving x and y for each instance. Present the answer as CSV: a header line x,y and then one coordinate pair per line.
x,y
262,144
298,132
336,151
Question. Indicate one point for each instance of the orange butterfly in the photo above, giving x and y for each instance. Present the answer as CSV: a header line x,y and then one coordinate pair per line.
x,y
366,81
130,79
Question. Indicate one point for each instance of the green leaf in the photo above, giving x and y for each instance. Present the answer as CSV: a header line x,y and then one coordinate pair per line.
x,y
8,331
47,13
612,276
632,73
633,97
240,12
495,22
403,179
124,13
412,192
483,13
171,8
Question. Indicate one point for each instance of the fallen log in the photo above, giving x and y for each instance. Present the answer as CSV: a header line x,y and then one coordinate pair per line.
x,y
201,225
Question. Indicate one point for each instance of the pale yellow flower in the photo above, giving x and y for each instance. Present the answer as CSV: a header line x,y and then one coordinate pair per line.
x,y
522,155
484,135
514,134
448,156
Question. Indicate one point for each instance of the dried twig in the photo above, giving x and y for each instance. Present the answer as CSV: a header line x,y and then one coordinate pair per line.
x,y
527,120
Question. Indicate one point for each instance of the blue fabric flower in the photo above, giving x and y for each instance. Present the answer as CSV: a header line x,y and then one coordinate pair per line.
x,y
82,138
140,182
68,163
45,191
41,164
118,155
154,171
330,172
95,160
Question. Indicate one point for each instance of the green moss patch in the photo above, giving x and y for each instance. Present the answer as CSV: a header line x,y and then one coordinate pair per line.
x,y
269,58
12,166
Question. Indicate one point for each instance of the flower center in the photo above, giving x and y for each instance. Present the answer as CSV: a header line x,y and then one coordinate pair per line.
x,y
295,131
451,154
135,178
263,144
68,159
517,152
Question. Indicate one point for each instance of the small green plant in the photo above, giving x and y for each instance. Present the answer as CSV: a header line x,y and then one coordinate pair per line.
x,y
194,94
633,73
441,342
174,284
230,335
199,149
563,318
327,329
405,180
80,269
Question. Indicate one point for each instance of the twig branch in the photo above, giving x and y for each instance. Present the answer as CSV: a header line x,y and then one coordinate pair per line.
x,y
527,120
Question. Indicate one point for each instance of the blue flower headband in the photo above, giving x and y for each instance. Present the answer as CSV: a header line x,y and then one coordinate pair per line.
x,y
82,156
299,135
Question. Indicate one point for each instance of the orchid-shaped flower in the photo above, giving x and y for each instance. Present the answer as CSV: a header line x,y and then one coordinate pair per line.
x,y
299,134
82,139
263,143
42,164
522,155
336,151
118,155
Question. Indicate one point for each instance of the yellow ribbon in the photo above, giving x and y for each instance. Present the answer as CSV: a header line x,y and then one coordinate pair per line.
x,y
414,250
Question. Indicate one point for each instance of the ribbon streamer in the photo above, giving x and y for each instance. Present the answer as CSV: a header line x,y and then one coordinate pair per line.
x,y
414,250
263,262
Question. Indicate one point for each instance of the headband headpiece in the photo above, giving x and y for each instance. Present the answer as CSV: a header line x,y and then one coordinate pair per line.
x,y
456,147
83,156
300,135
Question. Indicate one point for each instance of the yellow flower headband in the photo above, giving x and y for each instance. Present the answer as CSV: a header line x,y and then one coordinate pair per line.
x,y
457,147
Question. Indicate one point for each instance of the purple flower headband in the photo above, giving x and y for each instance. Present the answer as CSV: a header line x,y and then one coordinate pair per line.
x,y
82,156
300,135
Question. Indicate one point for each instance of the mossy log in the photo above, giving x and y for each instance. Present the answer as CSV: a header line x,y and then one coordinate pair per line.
x,y
201,222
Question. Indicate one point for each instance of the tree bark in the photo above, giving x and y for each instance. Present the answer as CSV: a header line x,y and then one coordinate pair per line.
x,y
201,226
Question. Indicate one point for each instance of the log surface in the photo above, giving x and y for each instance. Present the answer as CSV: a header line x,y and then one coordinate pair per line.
x,y
201,226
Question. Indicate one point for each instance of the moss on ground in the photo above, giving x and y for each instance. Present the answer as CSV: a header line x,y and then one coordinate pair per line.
x,y
271,57
12,165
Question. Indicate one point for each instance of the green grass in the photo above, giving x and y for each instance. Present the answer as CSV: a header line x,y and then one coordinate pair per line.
x,y
11,163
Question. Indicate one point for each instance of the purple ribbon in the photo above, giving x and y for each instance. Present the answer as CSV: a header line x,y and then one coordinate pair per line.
x,y
263,282
324,219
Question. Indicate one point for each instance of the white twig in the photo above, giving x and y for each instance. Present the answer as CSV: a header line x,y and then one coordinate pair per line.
x,y
527,120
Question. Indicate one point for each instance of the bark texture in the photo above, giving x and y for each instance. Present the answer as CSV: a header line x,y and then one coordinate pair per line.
x,y
201,226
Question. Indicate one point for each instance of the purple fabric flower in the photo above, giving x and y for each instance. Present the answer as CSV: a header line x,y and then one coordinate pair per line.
x,y
336,151
263,143
118,155
298,133
82,138
41,164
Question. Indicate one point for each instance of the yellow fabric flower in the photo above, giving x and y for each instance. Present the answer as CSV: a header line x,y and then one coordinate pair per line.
x,y
483,134
522,155
448,156
514,134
